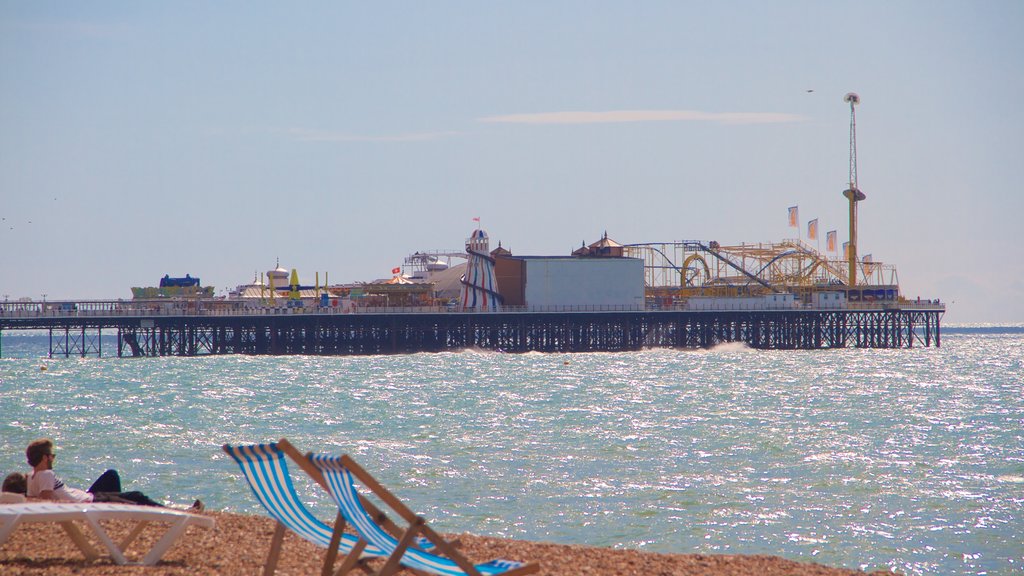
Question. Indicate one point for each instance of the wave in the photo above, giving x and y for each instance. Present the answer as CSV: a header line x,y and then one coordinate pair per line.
x,y
731,347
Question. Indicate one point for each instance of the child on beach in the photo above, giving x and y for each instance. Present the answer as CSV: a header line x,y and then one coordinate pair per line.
x,y
44,484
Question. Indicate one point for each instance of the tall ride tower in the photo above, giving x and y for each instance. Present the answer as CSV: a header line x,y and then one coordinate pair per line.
x,y
853,193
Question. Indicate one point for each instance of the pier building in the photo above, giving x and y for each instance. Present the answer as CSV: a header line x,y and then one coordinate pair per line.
x,y
604,296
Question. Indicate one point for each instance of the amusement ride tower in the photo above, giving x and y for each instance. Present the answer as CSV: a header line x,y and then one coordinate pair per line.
x,y
479,289
853,193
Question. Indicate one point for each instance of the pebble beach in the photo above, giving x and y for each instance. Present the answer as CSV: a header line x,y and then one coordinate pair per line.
x,y
238,545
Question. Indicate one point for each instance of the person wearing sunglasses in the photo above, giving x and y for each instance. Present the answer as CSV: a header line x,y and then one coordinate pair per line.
x,y
45,484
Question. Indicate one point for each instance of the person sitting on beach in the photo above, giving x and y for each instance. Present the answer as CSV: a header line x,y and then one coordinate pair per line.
x,y
43,483
16,483
14,488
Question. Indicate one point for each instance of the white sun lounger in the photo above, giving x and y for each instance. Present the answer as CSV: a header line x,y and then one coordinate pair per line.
x,y
11,515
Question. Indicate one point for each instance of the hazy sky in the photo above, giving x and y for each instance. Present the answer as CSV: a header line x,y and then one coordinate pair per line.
x,y
139,139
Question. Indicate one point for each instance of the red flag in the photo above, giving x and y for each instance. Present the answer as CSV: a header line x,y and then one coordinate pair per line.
x,y
476,219
830,240
396,270
793,216
812,229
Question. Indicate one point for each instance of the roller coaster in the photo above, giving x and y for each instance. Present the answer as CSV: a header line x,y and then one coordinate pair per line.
x,y
679,270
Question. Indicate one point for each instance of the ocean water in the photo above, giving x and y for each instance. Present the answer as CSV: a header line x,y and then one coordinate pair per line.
x,y
904,459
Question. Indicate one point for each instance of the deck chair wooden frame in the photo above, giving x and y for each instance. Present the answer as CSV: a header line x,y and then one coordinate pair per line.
x,y
266,471
275,492
379,517
417,526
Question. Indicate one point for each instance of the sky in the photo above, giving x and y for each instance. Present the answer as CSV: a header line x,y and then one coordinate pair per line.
x,y
139,139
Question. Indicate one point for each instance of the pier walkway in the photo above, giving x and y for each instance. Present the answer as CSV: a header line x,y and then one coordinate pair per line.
x,y
204,327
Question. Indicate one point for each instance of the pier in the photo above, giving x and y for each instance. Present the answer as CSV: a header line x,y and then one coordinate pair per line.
x,y
210,328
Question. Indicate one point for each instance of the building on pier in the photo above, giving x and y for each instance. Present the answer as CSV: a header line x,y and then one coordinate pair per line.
x,y
597,276
605,297
185,287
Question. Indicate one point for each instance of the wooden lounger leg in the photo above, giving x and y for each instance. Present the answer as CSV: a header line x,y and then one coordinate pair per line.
x,y
393,563
275,550
352,559
332,549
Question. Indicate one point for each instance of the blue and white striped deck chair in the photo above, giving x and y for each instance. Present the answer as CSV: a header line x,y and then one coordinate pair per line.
x,y
341,473
266,470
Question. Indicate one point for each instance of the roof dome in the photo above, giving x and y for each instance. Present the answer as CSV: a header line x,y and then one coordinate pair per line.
x,y
278,276
478,242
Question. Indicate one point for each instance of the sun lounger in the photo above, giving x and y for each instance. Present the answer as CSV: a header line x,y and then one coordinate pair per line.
x,y
341,473
12,498
66,514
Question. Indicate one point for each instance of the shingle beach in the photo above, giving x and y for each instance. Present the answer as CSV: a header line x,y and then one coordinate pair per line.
x,y
239,543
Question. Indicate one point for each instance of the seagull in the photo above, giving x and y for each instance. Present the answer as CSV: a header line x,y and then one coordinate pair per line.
x,y
809,91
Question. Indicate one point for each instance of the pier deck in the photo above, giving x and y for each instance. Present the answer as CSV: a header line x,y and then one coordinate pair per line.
x,y
77,330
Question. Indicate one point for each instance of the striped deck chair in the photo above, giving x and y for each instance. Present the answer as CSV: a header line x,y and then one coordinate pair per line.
x,y
266,470
341,473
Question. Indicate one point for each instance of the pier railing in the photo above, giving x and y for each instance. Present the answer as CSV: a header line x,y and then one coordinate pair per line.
x,y
133,309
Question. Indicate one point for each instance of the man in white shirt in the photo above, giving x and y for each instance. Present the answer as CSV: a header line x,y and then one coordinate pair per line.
x,y
43,483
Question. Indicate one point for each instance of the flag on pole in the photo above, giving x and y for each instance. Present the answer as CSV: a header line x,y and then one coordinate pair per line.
x,y
476,219
812,229
793,217
846,249
830,240
396,270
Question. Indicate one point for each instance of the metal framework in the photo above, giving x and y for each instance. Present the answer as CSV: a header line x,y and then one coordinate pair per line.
x,y
79,341
354,334
692,268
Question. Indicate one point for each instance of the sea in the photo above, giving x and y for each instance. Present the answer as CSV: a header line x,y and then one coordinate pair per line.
x,y
910,460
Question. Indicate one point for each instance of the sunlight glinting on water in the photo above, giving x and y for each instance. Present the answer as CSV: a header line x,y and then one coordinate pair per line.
x,y
909,459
